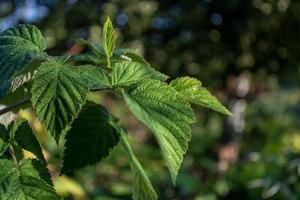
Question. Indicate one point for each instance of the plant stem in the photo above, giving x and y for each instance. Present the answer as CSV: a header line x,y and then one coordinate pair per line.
x,y
125,143
13,155
108,62
13,106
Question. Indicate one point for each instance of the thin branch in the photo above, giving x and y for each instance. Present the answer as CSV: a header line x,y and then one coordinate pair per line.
x,y
13,155
13,106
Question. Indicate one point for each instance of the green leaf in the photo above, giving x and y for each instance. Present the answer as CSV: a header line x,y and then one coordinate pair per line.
x,y
90,139
58,91
109,38
18,46
96,77
22,134
97,49
3,139
167,114
126,73
89,57
97,55
191,89
16,88
143,188
129,54
27,180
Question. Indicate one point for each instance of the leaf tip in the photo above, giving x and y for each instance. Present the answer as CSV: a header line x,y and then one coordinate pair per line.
x,y
173,178
108,20
228,113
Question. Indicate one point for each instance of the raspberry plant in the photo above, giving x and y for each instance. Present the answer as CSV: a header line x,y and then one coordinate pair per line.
x,y
56,88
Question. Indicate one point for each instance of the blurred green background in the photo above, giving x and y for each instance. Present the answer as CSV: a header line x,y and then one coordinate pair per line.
x,y
246,52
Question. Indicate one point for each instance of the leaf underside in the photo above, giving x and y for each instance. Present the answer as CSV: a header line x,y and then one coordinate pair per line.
x,y
167,114
17,47
58,91
90,139
13,90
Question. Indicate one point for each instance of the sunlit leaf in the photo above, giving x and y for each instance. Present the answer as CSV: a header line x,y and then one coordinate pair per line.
x,y
109,38
126,73
167,114
58,91
192,89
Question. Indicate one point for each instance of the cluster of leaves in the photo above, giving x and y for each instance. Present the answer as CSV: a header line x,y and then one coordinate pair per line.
x,y
56,87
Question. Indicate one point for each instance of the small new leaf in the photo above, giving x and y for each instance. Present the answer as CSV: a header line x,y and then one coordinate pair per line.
x,y
29,179
191,89
126,73
109,38
167,114
58,91
90,139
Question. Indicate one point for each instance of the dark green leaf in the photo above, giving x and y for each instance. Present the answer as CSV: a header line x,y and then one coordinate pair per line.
x,y
90,139
24,138
167,114
18,46
58,91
